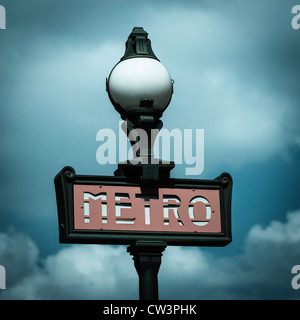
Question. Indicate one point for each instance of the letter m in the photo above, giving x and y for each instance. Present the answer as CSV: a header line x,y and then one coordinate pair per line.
x,y
2,278
2,17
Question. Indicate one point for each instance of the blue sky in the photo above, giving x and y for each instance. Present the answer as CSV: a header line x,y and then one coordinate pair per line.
x,y
236,70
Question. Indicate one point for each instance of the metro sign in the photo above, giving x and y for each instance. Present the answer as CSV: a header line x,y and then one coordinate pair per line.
x,y
111,210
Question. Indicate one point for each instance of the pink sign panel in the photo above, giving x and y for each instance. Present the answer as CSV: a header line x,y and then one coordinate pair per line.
x,y
129,208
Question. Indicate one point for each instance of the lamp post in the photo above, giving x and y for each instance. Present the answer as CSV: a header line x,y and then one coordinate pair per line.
x,y
141,206
140,88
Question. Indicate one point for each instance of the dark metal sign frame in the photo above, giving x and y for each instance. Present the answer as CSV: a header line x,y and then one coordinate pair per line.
x,y
66,178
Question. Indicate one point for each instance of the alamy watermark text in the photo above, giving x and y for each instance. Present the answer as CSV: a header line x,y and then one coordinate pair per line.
x,y
2,278
188,147
296,19
295,280
2,17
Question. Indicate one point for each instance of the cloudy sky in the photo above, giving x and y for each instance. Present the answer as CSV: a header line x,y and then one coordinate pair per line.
x,y
237,76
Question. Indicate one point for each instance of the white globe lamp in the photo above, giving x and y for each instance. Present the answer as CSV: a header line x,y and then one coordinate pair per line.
x,y
139,84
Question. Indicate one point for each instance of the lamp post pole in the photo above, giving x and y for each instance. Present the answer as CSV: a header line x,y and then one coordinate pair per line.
x,y
147,260
140,88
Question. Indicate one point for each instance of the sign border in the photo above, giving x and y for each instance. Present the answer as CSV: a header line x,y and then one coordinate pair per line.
x,y
67,177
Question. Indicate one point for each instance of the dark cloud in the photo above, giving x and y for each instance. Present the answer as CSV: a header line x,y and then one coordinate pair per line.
x,y
236,72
